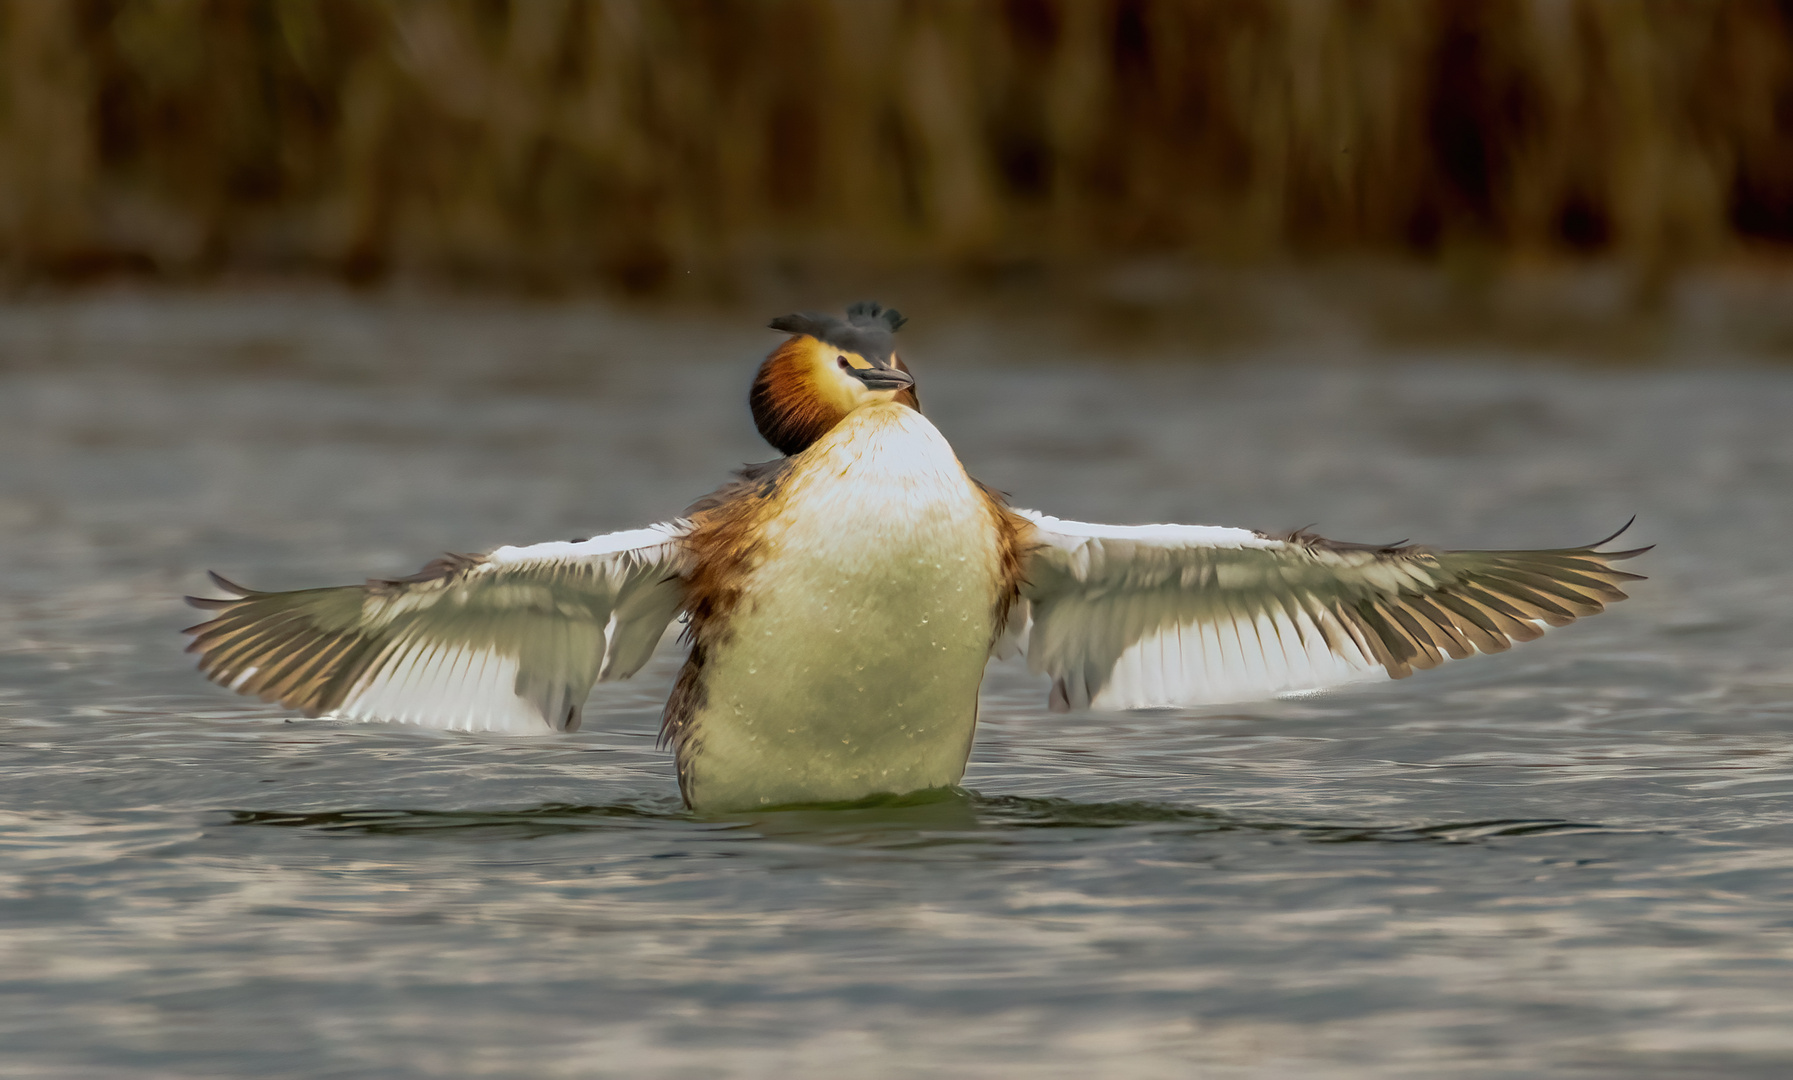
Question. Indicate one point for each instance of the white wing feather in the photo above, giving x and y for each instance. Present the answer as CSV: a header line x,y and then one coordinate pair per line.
x,y
1144,616
511,641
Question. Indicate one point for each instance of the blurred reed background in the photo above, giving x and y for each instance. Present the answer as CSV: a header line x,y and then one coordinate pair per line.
x,y
666,147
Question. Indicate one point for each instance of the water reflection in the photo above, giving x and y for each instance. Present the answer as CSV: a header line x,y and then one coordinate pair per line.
x,y
927,819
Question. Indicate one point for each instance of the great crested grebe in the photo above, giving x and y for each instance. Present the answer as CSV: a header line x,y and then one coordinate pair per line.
x,y
842,602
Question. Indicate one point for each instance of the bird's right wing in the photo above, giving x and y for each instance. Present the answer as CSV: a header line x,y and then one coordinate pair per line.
x,y
510,641
1148,616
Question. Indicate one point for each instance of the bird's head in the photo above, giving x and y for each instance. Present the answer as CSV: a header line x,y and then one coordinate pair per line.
x,y
827,368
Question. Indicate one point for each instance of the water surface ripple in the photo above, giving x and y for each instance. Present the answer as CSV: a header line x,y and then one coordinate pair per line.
x,y
1574,859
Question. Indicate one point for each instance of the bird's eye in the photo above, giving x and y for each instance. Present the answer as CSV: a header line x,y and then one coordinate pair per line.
x,y
842,361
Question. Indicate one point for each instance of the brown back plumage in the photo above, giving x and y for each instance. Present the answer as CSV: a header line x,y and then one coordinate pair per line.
x,y
1013,547
720,549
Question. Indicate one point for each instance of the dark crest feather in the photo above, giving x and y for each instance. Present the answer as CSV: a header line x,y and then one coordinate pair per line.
x,y
868,312
866,330
803,322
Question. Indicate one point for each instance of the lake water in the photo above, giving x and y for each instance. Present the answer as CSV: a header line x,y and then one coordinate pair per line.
x,y
1574,859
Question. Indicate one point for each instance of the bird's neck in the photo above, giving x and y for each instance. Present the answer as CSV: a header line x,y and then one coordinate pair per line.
x,y
887,439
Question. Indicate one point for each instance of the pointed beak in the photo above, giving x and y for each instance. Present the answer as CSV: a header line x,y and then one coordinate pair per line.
x,y
884,378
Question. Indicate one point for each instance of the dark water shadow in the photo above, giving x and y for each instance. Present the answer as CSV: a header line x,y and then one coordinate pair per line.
x,y
1018,812
547,819
932,819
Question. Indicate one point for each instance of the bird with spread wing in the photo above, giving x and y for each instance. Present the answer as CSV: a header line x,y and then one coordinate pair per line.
x,y
841,602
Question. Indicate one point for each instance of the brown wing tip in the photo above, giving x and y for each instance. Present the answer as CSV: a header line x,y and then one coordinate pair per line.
x,y
1620,531
212,603
228,585
1617,555
1607,558
209,603
1610,557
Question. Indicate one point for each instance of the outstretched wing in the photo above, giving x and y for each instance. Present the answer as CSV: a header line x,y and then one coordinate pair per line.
x,y
510,641
1145,616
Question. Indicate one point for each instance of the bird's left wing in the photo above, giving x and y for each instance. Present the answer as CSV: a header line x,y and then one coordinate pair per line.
x,y
1159,615
509,641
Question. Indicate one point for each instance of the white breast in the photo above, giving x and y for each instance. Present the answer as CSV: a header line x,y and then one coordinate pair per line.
x,y
853,661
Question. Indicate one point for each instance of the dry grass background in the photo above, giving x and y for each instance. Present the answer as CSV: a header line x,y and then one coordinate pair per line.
x,y
659,145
